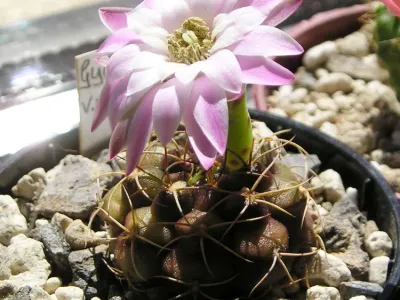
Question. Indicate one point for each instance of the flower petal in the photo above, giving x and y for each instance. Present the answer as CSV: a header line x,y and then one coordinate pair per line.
x,y
236,25
224,69
267,41
143,18
139,131
189,72
173,13
118,138
205,152
100,111
119,63
116,98
119,39
114,18
263,71
392,6
168,108
210,111
277,11
206,9
142,80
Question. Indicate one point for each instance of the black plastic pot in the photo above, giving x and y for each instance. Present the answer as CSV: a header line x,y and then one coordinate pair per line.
x,y
376,197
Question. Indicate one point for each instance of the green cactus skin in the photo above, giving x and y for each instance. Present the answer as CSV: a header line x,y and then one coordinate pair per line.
x,y
240,135
387,37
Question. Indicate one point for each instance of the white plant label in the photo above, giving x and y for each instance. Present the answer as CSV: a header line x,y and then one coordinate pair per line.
x,y
90,77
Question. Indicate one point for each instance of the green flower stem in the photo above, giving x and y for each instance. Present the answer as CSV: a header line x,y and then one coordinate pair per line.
x,y
240,135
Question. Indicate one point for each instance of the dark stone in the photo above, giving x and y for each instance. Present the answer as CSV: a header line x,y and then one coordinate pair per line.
x,y
89,271
356,288
392,159
72,187
56,247
345,208
6,290
30,293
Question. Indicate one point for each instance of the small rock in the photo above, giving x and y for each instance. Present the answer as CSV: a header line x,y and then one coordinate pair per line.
x,y
327,269
79,236
69,293
329,129
101,234
334,82
56,248
7,290
12,222
370,227
327,104
321,117
297,96
298,162
304,79
361,140
321,73
71,188
41,222
89,272
379,243
31,293
333,185
355,44
327,205
317,185
356,288
62,221
377,155
378,269
322,211
366,68
277,111
23,263
311,108
345,102
318,55
52,284
323,293
359,298
31,186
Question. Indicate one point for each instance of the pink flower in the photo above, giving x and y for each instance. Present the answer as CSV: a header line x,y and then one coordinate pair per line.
x,y
168,61
393,6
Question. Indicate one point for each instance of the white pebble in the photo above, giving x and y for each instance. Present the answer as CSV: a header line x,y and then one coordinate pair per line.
x,y
329,129
318,55
334,82
359,298
277,111
321,117
41,222
370,227
322,211
327,104
52,284
327,269
69,293
323,293
101,234
321,73
378,269
333,184
377,155
379,244
318,185
12,222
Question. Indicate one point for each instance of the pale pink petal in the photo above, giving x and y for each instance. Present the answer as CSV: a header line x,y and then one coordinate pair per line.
x,y
142,80
188,73
243,3
206,9
100,111
143,18
263,71
118,138
210,110
234,96
230,5
119,39
114,18
393,6
168,69
120,64
277,11
173,13
224,69
267,41
168,108
236,25
143,60
139,131
116,98
205,152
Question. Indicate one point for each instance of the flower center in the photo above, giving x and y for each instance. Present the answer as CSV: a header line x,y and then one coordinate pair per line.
x,y
190,43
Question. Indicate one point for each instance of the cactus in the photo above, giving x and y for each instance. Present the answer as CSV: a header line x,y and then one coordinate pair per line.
x,y
180,231
387,38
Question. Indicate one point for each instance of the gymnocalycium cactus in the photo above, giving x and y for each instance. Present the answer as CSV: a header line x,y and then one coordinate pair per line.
x,y
206,209
387,37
